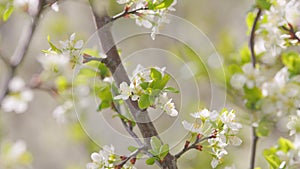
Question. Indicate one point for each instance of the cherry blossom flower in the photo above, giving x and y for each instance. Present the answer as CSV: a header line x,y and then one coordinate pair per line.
x,y
18,97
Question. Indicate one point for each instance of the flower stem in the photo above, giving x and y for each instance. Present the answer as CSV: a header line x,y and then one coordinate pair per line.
x,y
253,148
252,37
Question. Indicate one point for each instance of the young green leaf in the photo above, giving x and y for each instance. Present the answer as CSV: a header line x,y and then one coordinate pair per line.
x,y
155,74
104,104
7,13
171,89
150,161
155,144
263,4
132,148
252,97
163,4
144,85
263,128
285,145
61,83
163,151
292,61
144,101
271,157
53,47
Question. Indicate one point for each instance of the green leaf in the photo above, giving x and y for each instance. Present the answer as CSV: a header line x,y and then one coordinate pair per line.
x,y
252,97
144,85
154,153
272,159
263,128
61,83
163,151
171,89
249,21
245,54
53,47
292,61
103,70
160,84
163,4
132,148
155,144
144,101
104,104
7,13
155,74
285,145
88,73
150,161
263,4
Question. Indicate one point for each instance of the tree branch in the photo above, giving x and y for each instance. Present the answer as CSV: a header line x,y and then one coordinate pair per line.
x,y
252,37
113,62
291,31
131,156
253,148
195,145
126,12
22,49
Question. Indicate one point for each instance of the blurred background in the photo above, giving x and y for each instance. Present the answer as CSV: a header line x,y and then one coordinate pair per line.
x,y
68,145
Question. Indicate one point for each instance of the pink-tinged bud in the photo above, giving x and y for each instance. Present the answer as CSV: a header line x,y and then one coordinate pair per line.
x,y
123,157
132,161
126,9
199,136
186,145
118,167
199,147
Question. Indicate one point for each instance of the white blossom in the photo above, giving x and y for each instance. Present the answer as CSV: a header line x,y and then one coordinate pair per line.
x,y
125,92
13,156
54,62
192,127
59,112
292,12
170,109
251,77
18,97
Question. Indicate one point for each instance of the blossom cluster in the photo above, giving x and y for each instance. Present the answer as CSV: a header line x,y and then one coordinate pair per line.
x,y
58,63
276,97
278,29
285,154
14,155
106,159
18,97
220,128
148,88
150,13
57,58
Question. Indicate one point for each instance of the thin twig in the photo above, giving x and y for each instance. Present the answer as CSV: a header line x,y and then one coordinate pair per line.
x,y
21,50
126,12
253,148
132,155
88,58
252,37
292,32
192,146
